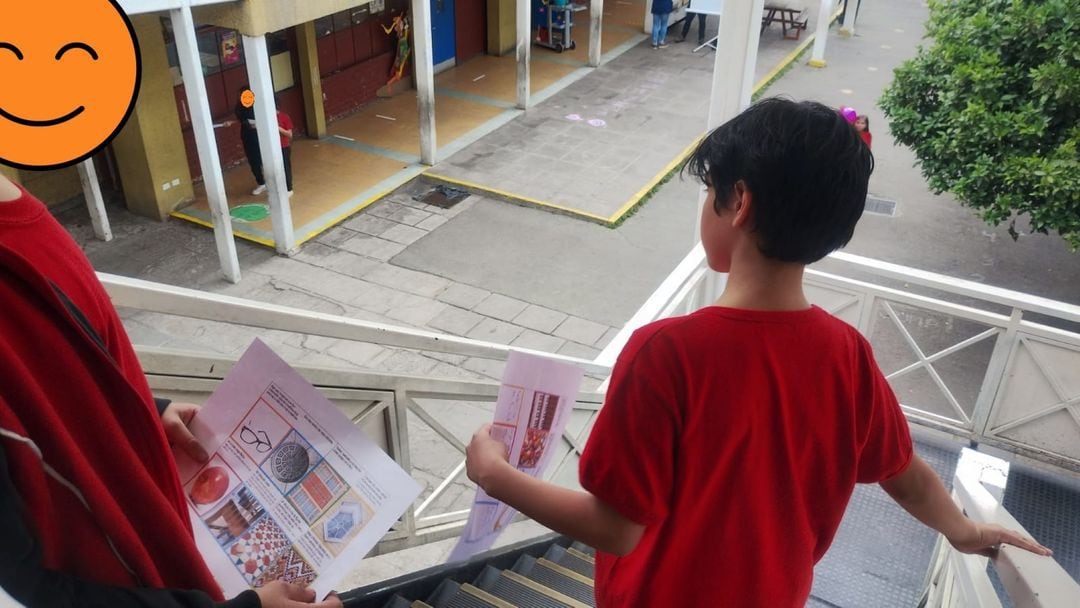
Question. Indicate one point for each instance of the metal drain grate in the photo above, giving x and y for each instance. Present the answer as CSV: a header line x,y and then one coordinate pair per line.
x,y
880,206
443,196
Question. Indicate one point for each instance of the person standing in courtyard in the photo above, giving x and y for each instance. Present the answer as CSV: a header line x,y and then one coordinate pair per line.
x,y
245,115
688,20
661,12
862,125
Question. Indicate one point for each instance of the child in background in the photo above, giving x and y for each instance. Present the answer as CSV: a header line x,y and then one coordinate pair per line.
x,y
661,11
862,125
731,439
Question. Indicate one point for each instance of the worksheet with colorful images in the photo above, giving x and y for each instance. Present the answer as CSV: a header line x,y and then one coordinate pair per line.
x,y
293,490
533,406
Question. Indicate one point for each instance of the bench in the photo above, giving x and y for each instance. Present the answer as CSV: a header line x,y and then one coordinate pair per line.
x,y
790,15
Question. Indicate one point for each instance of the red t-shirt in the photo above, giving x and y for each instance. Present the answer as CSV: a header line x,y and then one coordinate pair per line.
x,y
736,437
284,122
867,138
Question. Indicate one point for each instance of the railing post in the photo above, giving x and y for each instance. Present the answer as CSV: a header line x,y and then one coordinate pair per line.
x,y
995,372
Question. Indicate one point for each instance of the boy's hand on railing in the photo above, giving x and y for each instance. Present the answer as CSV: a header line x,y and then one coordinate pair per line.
x,y
484,456
985,539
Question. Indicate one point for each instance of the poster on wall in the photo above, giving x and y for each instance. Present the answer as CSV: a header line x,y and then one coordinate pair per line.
x,y
230,48
377,6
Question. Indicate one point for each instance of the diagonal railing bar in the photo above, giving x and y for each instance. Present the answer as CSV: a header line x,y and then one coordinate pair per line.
x,y
922,361
852,300
941,354
1067,404
376,408
1051,378
435,425
442,487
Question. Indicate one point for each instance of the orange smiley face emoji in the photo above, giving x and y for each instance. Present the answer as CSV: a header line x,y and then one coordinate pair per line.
x,y
69,75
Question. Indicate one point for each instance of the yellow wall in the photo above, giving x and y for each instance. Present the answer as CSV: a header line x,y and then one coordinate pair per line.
x,y
258,17
311,80
52,187
502,27
150,149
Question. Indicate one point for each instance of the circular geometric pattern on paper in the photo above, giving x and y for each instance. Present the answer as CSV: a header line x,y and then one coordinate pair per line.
x,y
289,462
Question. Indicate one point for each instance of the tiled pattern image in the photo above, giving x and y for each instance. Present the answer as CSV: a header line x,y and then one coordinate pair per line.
x,y
342,522
317,491
258,549
290,567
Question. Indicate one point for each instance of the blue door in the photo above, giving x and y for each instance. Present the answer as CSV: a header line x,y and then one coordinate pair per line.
x,y
442,31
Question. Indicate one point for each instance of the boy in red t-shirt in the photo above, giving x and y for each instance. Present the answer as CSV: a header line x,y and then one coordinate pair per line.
x,y
732,438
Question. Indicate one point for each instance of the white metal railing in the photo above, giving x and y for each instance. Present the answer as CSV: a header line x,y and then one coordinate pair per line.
x,y
958,580
1020,375
387,406
400,413
395,409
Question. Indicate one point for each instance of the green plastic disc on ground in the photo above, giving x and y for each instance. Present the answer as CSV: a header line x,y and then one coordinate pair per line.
x,y
250,213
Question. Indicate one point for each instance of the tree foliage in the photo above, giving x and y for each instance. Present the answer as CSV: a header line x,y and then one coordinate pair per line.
x,y
992,109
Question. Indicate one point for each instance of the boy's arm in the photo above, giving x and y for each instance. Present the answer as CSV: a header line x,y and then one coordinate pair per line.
x,y
579,515
920,492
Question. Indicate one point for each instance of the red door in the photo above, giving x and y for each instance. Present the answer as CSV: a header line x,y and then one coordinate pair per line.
x,y
470,18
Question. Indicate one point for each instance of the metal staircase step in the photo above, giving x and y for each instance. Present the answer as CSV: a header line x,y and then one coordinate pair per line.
x,y
484,596
583,548
563,580
419,604
523,592
576,561
585,556
398,602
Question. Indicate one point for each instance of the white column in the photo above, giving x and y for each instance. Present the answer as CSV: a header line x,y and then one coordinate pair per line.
x,y
847,26
258,69
596,30
95,203
524,51
423,63
732,82
736,57
202,125
821,35
646,26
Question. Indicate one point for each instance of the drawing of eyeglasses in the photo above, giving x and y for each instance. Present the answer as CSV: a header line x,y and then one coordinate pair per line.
x,y
259,439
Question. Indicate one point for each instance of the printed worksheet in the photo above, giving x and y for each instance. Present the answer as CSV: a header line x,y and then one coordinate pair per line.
x,y
293,490
534,404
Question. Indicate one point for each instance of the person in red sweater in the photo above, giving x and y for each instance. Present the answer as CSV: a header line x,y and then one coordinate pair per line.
x,y
91,508
862,125
731,438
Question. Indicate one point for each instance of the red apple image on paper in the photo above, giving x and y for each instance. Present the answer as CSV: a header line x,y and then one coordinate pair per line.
x,y
209,486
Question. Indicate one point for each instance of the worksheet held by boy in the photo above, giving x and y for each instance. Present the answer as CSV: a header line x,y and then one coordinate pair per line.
x,y
293,490
533,406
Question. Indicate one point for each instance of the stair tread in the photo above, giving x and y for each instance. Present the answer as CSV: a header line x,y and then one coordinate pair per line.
x,y
575,563
567,585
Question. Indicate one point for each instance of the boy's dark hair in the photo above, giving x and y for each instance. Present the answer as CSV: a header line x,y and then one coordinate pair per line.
x,y
806,166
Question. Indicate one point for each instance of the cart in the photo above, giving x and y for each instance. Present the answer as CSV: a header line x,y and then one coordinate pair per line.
x,y
560,26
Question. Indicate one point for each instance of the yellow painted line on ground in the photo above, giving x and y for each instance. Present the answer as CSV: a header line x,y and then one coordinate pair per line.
x,y
652,183
202,222
779,67
517,197
346,215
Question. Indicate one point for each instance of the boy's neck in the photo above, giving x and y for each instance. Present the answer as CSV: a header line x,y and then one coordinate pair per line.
x,y
757,283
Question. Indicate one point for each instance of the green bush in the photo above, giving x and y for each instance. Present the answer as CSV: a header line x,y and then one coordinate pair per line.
x,y
991,109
